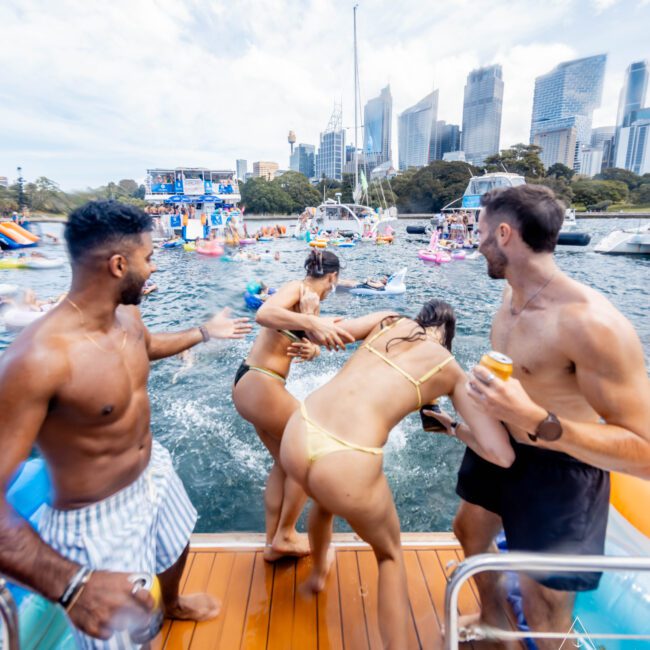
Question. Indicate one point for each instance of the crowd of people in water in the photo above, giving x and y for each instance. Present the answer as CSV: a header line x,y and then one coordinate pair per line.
x,y
539,445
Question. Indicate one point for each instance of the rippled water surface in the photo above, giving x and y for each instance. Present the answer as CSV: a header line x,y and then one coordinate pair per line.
x,y
218,455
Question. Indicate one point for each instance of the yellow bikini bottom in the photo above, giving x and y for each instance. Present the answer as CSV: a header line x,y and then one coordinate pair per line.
x,y
321,443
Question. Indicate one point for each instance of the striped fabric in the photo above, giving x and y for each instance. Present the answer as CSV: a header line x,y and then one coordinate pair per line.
x,y
143,528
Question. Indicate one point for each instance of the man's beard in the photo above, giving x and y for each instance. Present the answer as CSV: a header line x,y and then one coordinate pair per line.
x,y
496,259
131,293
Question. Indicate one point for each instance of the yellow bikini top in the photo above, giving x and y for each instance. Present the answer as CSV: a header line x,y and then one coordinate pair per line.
x,y
416,382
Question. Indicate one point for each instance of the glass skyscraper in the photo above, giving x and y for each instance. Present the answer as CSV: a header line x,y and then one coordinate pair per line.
x,y
564,100
447,139
329,161
633,92
416,131
482,108
302,160
377,129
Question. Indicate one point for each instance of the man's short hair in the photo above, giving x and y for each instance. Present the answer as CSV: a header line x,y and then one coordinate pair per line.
x,y
98,223
532,209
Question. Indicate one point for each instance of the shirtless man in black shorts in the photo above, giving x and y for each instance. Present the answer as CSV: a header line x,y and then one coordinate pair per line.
x,y
578,405
75,384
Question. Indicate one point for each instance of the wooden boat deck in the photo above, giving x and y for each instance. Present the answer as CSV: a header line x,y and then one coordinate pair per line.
x,y
262,607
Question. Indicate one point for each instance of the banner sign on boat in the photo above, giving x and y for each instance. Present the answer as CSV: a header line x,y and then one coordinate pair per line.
x,y
193,186
203,198
472,201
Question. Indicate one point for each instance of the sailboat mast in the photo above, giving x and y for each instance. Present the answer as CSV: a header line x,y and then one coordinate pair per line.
x,y
356,109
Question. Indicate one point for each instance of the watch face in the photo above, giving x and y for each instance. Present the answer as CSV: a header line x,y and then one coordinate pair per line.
x,y
549,429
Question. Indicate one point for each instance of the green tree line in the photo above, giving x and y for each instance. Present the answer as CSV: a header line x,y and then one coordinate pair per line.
x,y
44,195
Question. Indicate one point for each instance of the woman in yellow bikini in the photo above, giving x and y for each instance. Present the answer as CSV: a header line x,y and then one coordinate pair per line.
x,y
333,443
288,317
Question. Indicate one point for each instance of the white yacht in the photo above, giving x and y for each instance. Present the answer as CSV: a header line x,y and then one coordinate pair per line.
x,y
628,241
351,218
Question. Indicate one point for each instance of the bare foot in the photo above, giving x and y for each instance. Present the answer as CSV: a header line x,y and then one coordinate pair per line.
x,y
316,581
195,607
297,546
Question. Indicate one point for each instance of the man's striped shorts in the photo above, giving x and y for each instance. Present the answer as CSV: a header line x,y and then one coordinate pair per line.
x,y
143,528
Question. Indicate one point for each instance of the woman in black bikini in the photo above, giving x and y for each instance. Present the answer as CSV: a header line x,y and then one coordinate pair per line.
x,y
290,319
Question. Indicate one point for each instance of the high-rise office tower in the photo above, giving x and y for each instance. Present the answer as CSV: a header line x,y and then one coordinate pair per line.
x,y
633,143
377,129
416,131
329,160
447,140
302,160
482,106
563,106
242,168
633,93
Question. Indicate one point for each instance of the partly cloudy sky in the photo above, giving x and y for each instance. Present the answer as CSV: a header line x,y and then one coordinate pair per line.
x,y
96,91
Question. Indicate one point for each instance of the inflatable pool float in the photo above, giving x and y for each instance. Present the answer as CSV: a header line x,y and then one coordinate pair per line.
x,y
8,289
385,239
252,295
11,263
247,241
41,624
347,244
458,255
416,230
439,257
211,249
43,263
265,239
621,604
318,243
394,287
15,318
189,246
174,243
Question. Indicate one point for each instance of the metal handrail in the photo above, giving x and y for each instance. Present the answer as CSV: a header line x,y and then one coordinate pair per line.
x,y
529,562
9,615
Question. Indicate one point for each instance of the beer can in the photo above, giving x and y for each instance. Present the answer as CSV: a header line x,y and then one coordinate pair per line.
x,y
148,630
498,363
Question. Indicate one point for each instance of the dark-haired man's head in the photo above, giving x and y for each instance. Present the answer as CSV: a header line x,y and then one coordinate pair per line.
x,y
530,214
112,238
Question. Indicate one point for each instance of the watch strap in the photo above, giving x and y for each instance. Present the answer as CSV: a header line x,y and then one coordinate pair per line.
x,y
204,333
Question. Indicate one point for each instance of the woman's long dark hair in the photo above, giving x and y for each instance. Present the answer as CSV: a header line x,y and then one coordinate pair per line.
x,y
320,263
434,313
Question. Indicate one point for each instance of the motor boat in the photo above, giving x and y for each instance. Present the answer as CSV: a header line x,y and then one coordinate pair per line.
x,y
569,233
628,241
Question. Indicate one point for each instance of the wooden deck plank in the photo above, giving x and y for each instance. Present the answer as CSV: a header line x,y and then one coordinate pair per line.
x,y
207,634
256,621
423,613
305,620
352,612
330,621
282,605
368,579
467,603
181,632
435,580
159,642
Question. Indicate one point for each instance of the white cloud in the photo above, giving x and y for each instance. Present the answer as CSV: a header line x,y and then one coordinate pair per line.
x,y
92,92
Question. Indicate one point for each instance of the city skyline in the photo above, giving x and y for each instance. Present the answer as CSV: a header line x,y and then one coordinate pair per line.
x,y
83,110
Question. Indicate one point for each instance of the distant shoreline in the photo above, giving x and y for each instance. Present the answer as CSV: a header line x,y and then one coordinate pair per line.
x,y
51,218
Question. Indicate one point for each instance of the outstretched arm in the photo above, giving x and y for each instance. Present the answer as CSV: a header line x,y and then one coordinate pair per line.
x,y
361,327
277,313
220,326
482,433
611,376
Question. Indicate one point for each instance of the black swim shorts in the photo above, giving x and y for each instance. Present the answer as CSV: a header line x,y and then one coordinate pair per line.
x,y
548,502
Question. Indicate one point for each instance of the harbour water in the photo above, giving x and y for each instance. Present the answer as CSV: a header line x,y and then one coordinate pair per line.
x,y
219,456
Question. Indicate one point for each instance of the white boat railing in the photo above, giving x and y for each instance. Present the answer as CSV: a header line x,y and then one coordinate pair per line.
x,y
529,562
